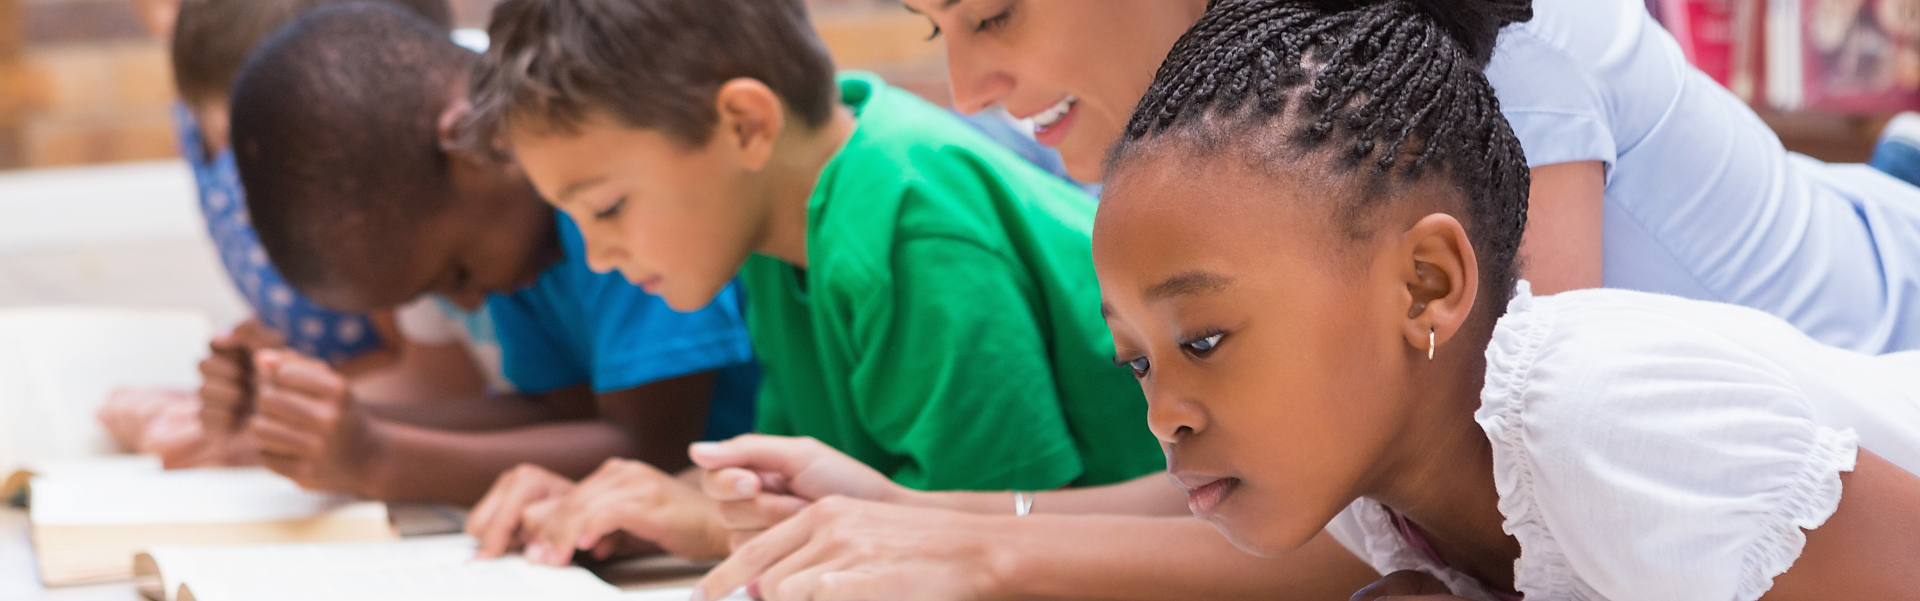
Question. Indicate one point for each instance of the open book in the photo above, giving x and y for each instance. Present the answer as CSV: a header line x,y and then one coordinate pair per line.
x,y
89,519
58,365
417,569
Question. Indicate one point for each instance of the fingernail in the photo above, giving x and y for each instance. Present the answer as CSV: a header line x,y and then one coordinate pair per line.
x,y
704,448
698,595
586,542
536,553
744,486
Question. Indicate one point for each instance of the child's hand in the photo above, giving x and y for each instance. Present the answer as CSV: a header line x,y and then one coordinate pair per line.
x,y
496,521
309,427
1407,585
227,378
761,481
626,496
166,423
129,414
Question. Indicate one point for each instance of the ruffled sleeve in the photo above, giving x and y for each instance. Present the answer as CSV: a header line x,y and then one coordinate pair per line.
x,y
1640,456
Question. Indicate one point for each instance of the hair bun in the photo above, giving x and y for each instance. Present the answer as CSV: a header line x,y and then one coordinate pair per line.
x,y
1475,24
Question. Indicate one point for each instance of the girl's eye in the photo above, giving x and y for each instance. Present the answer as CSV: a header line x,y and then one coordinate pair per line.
x,y
612,210
936,33
1200,347
1139,367
995,22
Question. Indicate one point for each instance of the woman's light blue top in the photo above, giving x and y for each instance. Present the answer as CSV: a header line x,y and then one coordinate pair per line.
x,y
1701,200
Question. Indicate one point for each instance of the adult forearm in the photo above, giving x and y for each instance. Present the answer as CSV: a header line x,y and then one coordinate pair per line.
x,y
1149,495
1118,558
420,464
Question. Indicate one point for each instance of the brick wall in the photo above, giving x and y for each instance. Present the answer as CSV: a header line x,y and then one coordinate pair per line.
x,y
82,82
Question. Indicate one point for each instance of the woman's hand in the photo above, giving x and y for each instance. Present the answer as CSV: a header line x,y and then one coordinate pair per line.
x,y
761,481
846,549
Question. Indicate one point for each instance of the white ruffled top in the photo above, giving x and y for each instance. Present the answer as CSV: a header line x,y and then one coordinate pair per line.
x,y
1652,448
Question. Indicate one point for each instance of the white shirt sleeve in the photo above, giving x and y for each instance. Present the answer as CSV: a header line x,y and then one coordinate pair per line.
x,y
1643,456
423,322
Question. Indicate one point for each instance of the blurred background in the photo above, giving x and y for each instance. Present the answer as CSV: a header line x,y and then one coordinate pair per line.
x,y
95,208
82,82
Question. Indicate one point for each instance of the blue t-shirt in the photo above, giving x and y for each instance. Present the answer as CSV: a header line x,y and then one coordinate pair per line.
x,y
313,330
574,326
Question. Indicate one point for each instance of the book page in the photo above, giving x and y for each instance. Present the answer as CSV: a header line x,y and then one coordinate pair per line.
x,y
118,493
58,365
419,569
675,594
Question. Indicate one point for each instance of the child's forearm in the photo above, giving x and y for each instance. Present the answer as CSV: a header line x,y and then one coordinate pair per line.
x,y
1122,558
418,464
1149,495
476,414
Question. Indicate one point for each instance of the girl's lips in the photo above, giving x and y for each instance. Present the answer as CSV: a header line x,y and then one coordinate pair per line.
x,y
1205,501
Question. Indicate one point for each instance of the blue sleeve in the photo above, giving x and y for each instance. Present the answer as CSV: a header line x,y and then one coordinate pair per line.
x,y
578,327
538,349
639,339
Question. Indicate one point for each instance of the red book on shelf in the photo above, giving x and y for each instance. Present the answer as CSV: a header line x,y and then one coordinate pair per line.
x,y
1848,56
1720,37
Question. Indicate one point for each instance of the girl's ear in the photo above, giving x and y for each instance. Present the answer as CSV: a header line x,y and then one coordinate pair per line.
x,y
751,119
1442,276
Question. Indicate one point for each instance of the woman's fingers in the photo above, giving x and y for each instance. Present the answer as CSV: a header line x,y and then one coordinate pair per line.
x,y
730,484
760,512
756,556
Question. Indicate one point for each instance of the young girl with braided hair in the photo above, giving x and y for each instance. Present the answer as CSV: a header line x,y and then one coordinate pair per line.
x,y
1308,252
1307,248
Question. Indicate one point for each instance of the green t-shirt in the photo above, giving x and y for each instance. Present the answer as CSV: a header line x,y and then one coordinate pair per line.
x,y
947,330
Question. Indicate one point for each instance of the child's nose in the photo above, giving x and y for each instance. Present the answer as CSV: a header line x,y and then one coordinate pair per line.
x,y
605,259
1173,420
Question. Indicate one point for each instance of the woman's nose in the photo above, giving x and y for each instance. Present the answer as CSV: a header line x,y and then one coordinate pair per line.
x,y
979,82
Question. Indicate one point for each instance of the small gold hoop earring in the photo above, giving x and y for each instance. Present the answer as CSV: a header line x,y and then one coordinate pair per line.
x,y
1430,343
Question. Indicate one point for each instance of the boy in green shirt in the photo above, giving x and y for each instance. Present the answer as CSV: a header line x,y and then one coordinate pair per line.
x,y
920,298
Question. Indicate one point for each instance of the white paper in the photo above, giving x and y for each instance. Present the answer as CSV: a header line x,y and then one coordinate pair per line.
x,y
676,594
58,365
420,569
121,492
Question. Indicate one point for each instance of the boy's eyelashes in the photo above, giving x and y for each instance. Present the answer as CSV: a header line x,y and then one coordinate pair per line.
x,y
612,210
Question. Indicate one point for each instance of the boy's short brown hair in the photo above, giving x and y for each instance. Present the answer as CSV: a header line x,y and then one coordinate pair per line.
x,y
212,38
650,64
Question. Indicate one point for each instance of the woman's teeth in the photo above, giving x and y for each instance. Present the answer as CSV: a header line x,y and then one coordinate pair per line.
x,y
1051,117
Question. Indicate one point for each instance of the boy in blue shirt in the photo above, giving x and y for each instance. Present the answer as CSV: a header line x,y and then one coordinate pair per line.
x,y
344,133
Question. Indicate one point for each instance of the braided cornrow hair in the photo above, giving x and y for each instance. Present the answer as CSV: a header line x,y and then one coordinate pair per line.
x,y
1384,88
